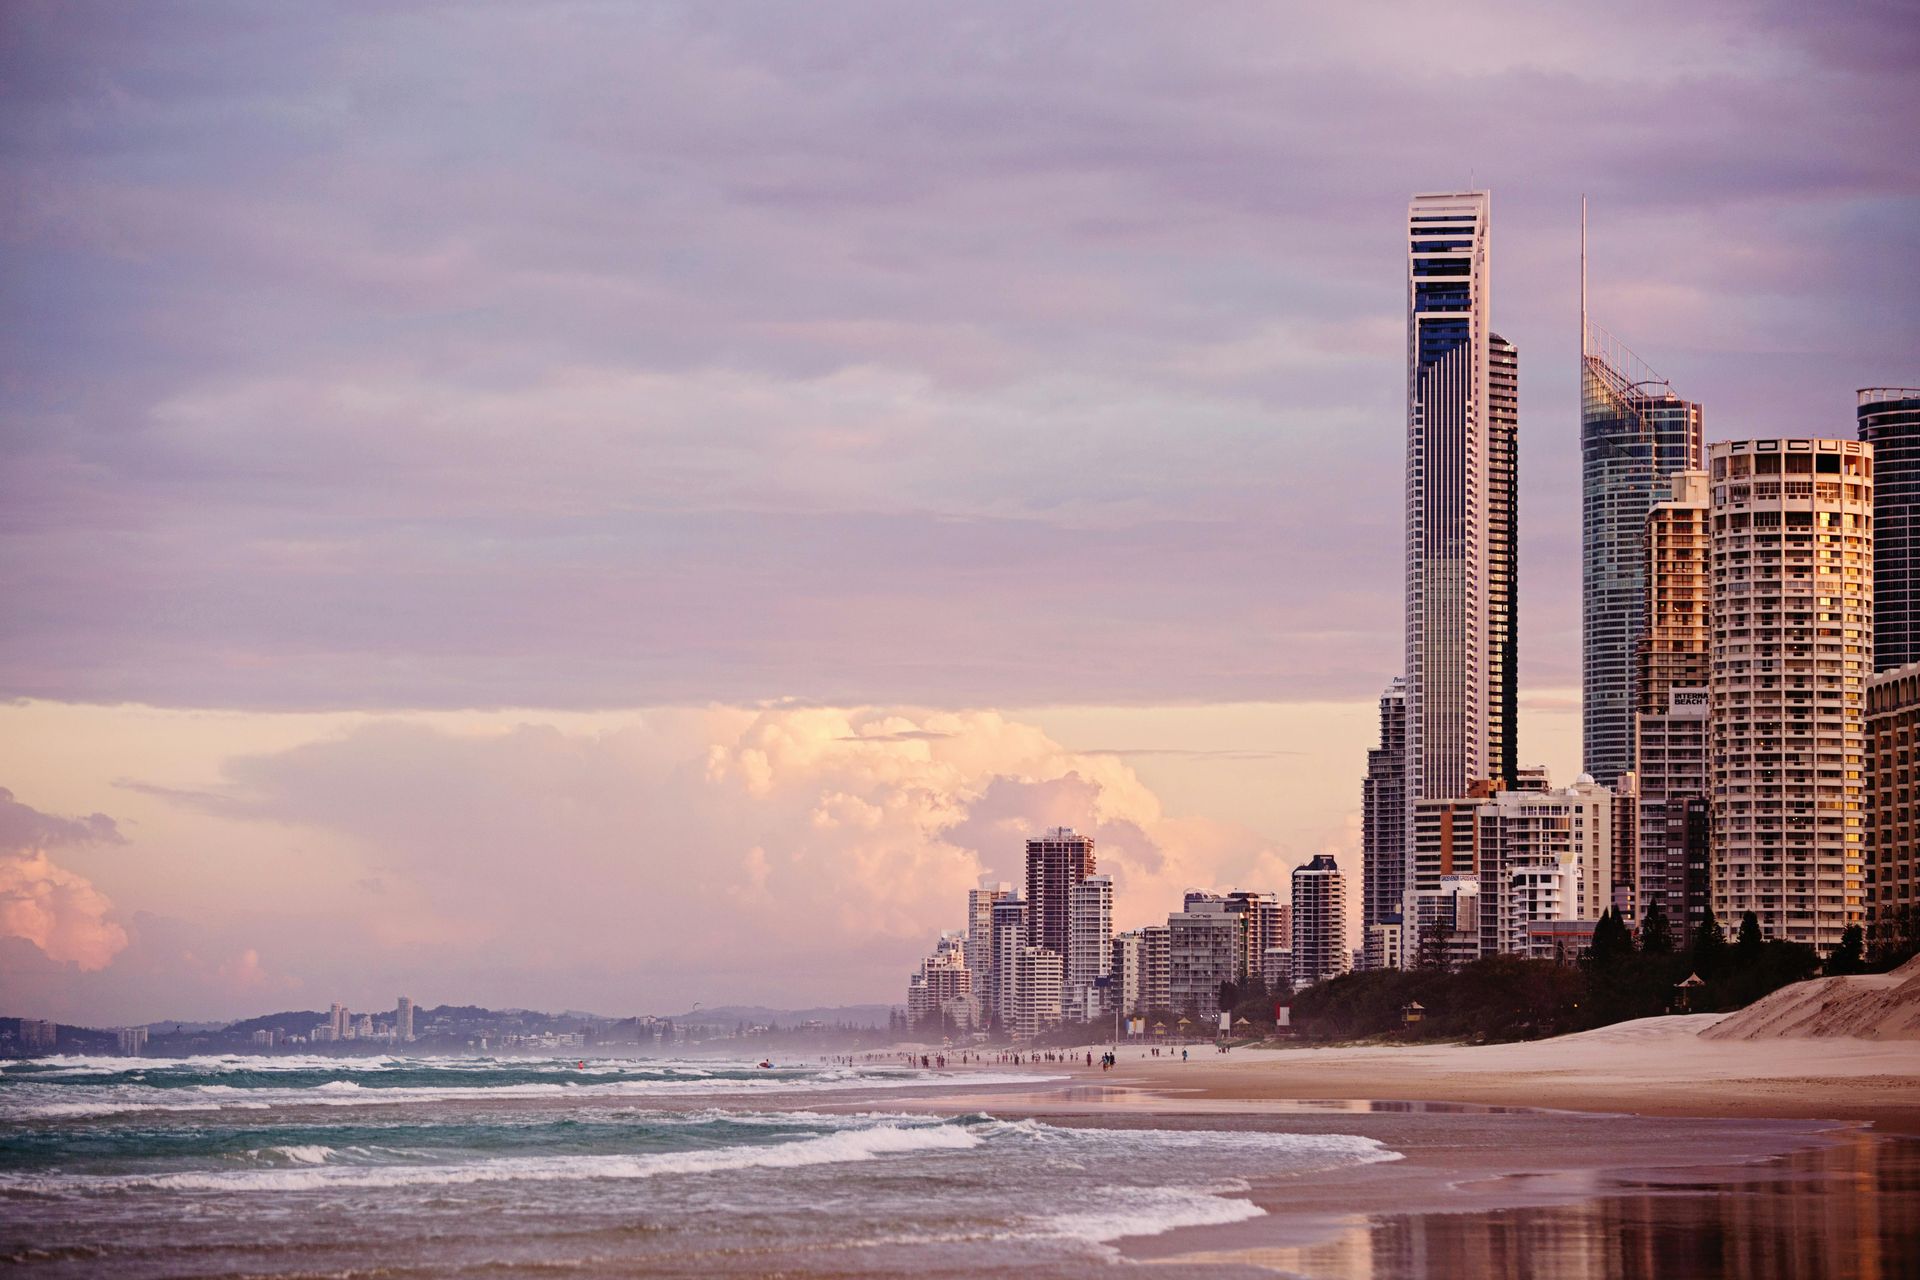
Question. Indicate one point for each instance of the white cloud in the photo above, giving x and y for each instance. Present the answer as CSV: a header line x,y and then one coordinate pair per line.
x,y
57,910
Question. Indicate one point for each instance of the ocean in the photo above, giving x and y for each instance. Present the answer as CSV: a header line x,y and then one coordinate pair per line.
x,y
418,1166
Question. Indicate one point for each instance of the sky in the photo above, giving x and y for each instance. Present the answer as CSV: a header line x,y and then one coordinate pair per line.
x,y
608,506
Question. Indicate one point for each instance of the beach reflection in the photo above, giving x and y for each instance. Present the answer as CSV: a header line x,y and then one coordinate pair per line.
x,y
1850,1212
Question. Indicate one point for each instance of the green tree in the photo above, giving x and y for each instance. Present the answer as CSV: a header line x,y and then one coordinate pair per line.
x,y
1851,955
1656,935
1709,951
1612,943
1749,943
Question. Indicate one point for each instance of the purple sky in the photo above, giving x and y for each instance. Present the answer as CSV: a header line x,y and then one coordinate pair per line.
x,y
392,358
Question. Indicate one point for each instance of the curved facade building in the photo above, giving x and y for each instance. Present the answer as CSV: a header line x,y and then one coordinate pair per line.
x,y
1635,435
1792,651
1890,422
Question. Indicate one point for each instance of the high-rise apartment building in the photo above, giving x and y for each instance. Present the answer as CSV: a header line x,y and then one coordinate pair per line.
x,y
1265,922
1037,982
1009,935
942,987
1124,971
1451,664
131,1041
1793,546
980,924
1890,422
1056,861
1205,948
1319,921
1383,813
403,1019
1673,660
1635,434
1090,944
1893,736
1156,967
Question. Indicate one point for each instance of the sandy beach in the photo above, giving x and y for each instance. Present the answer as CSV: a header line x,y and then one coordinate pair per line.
x,y
1653,1067
1620,1150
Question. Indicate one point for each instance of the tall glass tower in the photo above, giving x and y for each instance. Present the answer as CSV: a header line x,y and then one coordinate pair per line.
x,y
1635,434
1890,422
1460,467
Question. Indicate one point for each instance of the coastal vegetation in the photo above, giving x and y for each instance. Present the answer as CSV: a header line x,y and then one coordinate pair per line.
x,y
1619,978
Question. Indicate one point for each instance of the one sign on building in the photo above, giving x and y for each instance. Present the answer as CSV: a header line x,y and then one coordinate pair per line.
x,y
1688,703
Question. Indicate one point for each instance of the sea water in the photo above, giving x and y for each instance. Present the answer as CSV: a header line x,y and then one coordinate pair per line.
x,y
403,1166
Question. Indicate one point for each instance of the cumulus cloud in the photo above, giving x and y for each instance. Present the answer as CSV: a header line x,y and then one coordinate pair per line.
x,y
784,853
57,910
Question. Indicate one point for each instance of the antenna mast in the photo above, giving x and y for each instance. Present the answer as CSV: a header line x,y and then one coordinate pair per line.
x,y
1583,275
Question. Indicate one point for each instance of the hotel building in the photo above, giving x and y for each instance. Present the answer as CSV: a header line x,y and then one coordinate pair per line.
x,y
1459,513
1792,563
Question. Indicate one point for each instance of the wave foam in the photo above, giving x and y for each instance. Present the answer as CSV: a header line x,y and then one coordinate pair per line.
x,y
832,1148
1149,1211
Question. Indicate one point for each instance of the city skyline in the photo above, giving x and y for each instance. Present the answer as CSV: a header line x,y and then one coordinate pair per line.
x,y
428,602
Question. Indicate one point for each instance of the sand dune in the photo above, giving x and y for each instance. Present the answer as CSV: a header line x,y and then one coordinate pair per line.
x,y
1884,1006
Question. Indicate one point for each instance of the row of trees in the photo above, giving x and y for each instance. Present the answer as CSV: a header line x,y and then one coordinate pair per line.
x,y
1621,976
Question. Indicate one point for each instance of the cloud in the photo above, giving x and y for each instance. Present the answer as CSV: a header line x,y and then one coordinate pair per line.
x,y
576,356
23,827
57,910
784,853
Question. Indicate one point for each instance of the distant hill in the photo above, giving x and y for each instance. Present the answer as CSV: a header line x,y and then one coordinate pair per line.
x,y
296,1022
850,1015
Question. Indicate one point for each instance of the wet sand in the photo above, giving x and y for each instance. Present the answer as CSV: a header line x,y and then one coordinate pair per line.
x,y
1638,1150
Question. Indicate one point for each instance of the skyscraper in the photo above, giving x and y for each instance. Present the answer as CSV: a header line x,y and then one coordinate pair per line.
x,y
1672,662
1383,813
1319,921
1792,651
1090,945
1635,433
1009,935
980,926
1890,422
1036,991
1056,861
403,1019
1451,630
1503,555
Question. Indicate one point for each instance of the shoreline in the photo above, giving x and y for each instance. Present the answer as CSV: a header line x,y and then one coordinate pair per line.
x,y
1653,1067
1589,1138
